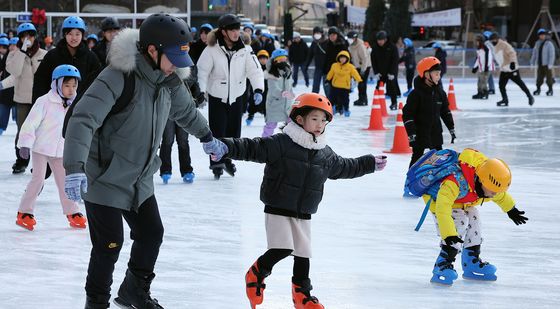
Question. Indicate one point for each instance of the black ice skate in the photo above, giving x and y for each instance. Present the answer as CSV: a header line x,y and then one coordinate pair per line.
x,y
230,168
503,102
134,293
549,93
217,170
537,92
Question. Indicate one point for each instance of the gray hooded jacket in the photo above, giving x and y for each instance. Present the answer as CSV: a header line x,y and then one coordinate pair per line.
x,y
120,158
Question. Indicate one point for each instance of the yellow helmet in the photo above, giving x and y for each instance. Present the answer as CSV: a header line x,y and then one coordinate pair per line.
x,y
263,53
495,175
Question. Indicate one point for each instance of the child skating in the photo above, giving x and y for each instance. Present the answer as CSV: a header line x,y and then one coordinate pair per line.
x,y
298,163
475,179
340,76
41,134
280,96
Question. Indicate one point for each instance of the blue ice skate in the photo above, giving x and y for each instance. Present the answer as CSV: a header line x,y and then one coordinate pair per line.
x,y
474,268
188,177
443,272
248,121
346,113
165,177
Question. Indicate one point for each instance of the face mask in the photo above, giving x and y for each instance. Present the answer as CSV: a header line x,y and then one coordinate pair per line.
x,y
317,36
350,41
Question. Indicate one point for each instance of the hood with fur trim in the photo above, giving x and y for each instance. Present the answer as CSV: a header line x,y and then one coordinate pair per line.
x,y
213,37
304,138
123,53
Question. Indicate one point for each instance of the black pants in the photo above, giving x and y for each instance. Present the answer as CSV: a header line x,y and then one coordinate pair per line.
x,y
340,98
224,119
391,89
273,256
409,78
362,86
106,234
516,78
21,114
418,152
542,72
172,130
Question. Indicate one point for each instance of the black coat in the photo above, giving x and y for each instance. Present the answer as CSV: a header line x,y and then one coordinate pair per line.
x,y
332,50
6,95
293,175
422,112
318,54
84,60
409,58
298,52
100,51
442,57
196,50
385,59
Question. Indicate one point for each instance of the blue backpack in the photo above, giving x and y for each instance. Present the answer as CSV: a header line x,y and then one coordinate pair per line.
x,y
426,175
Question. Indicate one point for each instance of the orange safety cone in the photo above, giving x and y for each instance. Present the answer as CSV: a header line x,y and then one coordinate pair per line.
x,y
375,118
451,97
400,140
382,100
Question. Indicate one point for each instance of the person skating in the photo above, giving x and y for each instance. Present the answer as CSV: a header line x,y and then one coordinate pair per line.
x,y
385,66
110,27
198,46
484,65
317,54
409,59
425,106
491,87
506,57
223,74
543,57
6,85
362,62
252,109
298,163
298,56
479,179
115,174
280,95
41,134
340,76
332,46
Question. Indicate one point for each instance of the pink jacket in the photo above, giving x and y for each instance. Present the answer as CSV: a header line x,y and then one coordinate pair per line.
x,y
42,129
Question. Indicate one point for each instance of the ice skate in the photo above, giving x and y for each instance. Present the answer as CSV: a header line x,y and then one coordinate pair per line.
x,y
25,220
443,271
188,177
217,170
474,267
254,284
549,93
165,177
531,100
230,168
503,102
134,293
301,295
77,220
346,113
537,92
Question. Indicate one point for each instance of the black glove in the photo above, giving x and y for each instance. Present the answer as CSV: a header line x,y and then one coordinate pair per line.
x,y
412,140
474,70
451,240
517,216
453,136
512,66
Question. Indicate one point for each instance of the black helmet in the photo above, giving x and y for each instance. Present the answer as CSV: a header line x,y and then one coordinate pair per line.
x,y
352,34
381,35
229,21
317,29
333,30
169,34
110,23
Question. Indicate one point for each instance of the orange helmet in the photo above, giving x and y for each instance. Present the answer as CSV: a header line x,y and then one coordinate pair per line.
x,y
426,64
311,100
48,40
495,175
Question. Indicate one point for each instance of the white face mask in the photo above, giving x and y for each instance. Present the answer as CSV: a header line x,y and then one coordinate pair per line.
x,y
350,41
317,36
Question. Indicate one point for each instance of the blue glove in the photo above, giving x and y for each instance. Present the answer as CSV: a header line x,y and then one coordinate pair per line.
x,y
258,98
74,184
216,148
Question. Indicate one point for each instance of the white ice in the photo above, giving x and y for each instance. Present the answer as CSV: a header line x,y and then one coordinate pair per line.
x,y
365,251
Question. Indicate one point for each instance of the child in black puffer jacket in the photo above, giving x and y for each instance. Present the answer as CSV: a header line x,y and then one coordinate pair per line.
x,y
298,163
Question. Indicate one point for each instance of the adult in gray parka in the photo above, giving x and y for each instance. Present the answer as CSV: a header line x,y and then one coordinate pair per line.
x,y
115,154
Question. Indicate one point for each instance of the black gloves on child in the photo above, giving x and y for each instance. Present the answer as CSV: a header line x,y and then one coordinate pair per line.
x,y
517,216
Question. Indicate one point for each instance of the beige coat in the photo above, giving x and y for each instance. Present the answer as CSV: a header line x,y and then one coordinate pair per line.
x,y
504,54
360,57
23,69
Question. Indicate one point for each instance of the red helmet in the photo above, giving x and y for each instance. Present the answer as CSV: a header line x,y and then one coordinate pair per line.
x,y
311,100
426,64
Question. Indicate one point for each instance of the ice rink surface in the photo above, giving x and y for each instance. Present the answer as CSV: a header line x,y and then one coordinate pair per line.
x,y
366,253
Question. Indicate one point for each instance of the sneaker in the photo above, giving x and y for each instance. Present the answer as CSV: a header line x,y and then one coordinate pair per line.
x,y
165,177
77,220
188,177
25,220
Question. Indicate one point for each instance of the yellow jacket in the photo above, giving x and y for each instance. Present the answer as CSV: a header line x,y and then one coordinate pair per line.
x,y
342,74
449,193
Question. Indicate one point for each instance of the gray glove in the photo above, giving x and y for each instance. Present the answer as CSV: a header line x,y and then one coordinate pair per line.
x,y
74,185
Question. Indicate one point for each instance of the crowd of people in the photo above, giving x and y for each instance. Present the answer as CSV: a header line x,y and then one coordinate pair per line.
x,y
160,75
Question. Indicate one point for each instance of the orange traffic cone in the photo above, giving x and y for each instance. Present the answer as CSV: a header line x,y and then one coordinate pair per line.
x,y
451,97
382,100
375,118
400,140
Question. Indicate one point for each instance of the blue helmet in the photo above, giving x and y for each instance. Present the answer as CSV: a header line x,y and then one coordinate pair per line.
x,y
26,27
3,35
206,26
542,31
250,26
436,45
66,70
487,34
193,29
4,41
407,42
268,35
279,53
92,37
14,40
74,22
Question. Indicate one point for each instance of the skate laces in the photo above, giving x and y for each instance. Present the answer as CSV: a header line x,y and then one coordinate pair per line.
x,y
259,284
446,263
307,292
476,259
25,215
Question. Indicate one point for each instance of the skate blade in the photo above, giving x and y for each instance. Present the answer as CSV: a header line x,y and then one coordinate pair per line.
x,y
27,227
479,277
121,304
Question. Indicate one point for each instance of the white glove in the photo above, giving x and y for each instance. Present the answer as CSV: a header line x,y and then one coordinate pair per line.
x,y
26,43
288,95
391,76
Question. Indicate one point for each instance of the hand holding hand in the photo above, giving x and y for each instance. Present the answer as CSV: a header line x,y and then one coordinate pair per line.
x,y
215,148
380,162
74,185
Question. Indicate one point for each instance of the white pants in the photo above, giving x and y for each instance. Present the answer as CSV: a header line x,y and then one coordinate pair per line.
x,y
467,223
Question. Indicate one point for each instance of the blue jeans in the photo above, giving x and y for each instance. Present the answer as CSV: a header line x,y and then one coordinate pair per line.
x,y
4,115
295,68
491,82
